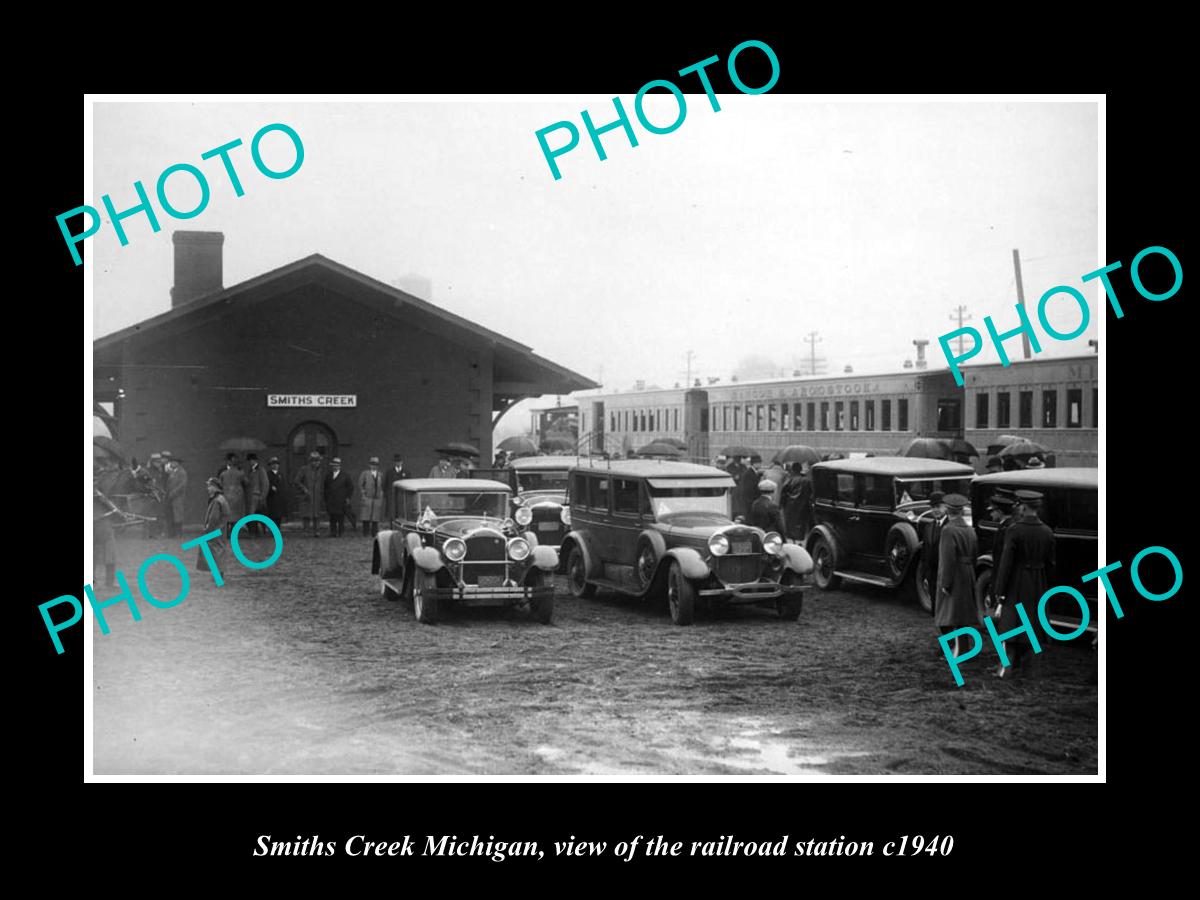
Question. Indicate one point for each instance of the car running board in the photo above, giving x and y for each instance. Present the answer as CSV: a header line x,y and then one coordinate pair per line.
x,y
619,586
876,580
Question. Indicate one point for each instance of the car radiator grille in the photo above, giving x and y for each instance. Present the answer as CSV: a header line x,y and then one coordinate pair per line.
x,y
485,557
547,526
739,569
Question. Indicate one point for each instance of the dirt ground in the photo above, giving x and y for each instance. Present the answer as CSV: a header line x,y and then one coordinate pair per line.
x,y
303,668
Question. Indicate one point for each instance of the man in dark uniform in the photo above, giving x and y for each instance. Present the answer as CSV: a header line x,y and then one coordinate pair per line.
x,y
276,498
396,473
954,575
746,491
1026,572
764,512
736,470
338,491
796,494
931,538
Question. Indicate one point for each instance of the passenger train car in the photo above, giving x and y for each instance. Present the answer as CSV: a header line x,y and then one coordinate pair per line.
x,y
1051,400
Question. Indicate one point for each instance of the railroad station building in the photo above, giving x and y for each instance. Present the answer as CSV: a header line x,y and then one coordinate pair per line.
x,y
311,356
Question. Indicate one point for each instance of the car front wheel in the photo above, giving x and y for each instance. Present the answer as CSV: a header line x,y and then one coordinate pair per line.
x,y
577,576
985,594
925,589
822,554
425,607
681,596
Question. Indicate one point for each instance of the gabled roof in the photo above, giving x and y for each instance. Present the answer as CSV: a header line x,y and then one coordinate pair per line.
x,y
357,286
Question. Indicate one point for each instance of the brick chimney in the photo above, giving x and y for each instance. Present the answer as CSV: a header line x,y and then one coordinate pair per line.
x,y
197,265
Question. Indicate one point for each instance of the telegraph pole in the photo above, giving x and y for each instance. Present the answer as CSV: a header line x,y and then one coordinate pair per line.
x,y
812,339
958,314
1020,301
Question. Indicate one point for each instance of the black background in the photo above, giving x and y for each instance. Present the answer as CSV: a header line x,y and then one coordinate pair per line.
x,y
210,833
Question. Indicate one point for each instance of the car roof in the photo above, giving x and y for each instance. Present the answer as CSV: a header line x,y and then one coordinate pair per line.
x,y
546,462
464,485
1057,477
650,468
898,466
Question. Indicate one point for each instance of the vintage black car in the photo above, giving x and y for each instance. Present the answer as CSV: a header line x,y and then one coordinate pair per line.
x,y
869,516
542,492
648,528
1070,507
453,543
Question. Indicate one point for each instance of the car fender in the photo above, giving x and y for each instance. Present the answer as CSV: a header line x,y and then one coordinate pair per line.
x,y
591,562
387,558
545,558
828,533
657,541
796,559
691,563
428,558
531,539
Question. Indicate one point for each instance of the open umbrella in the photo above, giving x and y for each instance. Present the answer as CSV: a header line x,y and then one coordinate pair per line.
x,y
739,450
519,445
109,446
674,442
797,453
1001,442
925,448
558,443
1021,448
959,447
456,448
660,448
243,445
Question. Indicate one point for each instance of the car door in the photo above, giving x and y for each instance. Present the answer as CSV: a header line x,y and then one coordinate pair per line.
x,y
875,518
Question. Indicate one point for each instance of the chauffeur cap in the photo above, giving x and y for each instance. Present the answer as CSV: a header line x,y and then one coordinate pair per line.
x,y
955,501
1026,496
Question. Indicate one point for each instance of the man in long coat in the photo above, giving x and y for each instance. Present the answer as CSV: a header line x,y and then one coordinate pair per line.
x,y
954,590
338,492
276,492
257,485
1026,572
764,512
177,480
233,486
931,541
396,473
370,496
216,518
310,492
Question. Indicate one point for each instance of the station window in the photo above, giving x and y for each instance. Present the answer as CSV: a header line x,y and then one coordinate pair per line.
x,y
869,414
902,415
1049,409
839,415
1025,409
1095,407
885,415
785,417
1003,409
825,415
1074,407
772,421
854,415
981,409
810,415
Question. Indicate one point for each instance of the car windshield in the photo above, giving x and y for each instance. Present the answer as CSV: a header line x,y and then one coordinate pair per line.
x,y
545,480
671,501
465,503
917,490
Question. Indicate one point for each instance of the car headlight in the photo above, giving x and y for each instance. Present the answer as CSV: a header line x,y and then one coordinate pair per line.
x,y
565,515
523,515
718,545
772,543
455,549
518,549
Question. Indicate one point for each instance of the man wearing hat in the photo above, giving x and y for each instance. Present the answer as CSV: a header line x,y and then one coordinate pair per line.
x,y
216,518
957,550
233,485
443,469
396,473
994,464
276,493
1026,571
257,485
310,491
931,540
338,491
176,487
370,494
764,512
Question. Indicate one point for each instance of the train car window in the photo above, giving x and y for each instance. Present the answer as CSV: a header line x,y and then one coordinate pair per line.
x,y
839,415
1074,407
869,414
772,421
1003,409
1050,409
845,489
737,418
825,415
675,417
760,420
704,418
902,415
854,415
949,414
876,491
1025,409
885,415
627,496
981,409
809,411
749,417
796,419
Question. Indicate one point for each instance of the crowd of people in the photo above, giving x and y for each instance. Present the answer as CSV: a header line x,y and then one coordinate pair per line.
x,y
776,499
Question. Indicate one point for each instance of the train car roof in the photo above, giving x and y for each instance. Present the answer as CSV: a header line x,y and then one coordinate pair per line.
x,y
1066,476
897,466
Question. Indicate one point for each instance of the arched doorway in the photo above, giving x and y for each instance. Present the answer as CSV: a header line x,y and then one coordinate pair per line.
x,y
304,439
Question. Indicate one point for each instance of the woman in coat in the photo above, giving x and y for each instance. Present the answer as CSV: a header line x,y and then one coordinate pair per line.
x,y
957,551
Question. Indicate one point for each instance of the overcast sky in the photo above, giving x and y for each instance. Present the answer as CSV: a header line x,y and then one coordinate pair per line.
x,y
733,236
